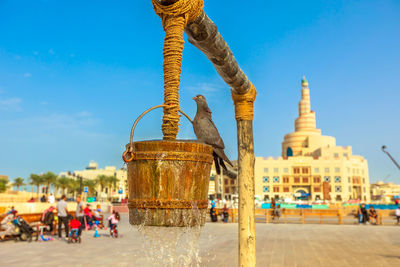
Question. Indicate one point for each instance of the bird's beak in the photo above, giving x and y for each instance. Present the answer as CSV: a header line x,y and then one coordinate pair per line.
x,y
194,98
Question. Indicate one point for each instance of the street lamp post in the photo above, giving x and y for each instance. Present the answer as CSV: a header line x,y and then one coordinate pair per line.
x,y
390,156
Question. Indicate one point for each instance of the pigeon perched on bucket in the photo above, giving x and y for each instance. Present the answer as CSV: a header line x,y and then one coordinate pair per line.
x,y
207,133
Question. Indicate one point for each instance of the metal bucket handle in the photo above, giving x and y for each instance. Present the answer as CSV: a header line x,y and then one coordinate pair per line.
x,y
127,156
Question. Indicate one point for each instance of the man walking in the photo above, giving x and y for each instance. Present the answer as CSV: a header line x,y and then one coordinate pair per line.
x,y
62,213
79,213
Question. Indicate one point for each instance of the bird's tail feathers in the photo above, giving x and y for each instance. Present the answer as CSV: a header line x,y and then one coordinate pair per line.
x,y
217,168
229,173
222,155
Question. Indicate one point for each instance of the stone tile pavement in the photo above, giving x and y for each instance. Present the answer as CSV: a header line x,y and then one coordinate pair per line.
x,y
277,245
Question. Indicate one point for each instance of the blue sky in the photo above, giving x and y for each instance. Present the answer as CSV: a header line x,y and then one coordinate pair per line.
x,y
75,75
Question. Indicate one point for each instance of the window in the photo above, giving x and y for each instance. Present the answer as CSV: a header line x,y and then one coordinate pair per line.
x,y
226,181
337,170
266,179
364,189
286,189
305,170
337,179
336,155
338,198
317,179
350,189
227,190
276,179
286,179
286,170
363,180
296,180
349,179
316,170
266,188
296,170
276,188
232,181
327,170
327,179
276,170
338,189
305,180
266,170
317,189
345,155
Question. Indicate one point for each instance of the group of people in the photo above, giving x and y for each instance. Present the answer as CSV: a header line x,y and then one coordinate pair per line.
x,y
83,218
51,199
364,215
214,213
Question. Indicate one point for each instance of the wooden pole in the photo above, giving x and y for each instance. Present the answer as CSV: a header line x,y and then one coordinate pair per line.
x,y
247,231
203,34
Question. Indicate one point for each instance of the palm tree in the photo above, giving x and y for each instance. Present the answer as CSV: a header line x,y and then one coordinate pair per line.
x,y
49,178
102,180
63,183
91,184
112,181
73,186
36,180
3,184
18,182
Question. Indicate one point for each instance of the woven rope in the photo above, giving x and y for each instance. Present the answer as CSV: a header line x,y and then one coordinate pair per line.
x,y
174,19
244,104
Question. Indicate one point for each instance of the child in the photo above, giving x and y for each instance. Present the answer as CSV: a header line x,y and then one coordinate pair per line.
x,y
113,220
88,216
98,217
74,224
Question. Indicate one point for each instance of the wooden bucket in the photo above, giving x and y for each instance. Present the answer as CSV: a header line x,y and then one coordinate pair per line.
x,y
168,182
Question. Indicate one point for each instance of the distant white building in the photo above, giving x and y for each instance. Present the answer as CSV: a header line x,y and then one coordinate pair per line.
x,y
92,171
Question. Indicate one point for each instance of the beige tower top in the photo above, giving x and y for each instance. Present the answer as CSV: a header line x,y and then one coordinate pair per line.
x,y
306,119
306,138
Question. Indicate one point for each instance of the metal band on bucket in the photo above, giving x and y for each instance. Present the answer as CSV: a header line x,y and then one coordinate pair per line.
x,y
167,204
171,155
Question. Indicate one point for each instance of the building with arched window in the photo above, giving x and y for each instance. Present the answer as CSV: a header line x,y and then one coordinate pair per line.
x,y
312,166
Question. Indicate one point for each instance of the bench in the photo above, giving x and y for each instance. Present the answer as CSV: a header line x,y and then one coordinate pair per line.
x,y
33,219
306,215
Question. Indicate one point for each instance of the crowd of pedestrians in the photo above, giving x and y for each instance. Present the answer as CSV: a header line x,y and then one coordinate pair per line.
x,y
83,218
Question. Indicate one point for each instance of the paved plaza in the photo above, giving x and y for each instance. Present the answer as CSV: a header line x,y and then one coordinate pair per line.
x,y
277,245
